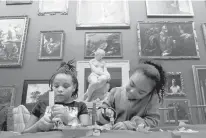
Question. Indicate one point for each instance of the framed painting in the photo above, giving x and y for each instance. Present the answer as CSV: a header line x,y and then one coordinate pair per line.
x,y
7,97
13,32
33,91
175,86
103,14
111,42
169,8
199,73
51,45
18,2
52,7
182,110
167,40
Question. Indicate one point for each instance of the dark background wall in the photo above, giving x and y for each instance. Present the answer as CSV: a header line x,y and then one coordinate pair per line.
x,y
74,43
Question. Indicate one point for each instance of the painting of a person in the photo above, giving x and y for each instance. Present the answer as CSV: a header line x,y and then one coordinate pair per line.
x,y
99,75
175,89
50,46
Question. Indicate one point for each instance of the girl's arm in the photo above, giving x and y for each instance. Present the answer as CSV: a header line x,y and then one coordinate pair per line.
x,y
31,126
150,119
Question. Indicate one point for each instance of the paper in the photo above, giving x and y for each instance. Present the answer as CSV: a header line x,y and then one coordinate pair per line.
x,y
51,98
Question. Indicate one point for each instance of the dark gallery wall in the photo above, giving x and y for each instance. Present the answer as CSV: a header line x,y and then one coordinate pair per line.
x,y
74,43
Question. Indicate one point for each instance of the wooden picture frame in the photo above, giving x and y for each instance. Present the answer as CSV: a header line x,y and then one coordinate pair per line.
x,y
13,33
181,106
178,8
111,42
200,89
51,45
102,14
33,90
167,40
49,7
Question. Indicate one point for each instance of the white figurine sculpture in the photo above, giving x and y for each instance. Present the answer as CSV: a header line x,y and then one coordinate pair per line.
x,y
99,75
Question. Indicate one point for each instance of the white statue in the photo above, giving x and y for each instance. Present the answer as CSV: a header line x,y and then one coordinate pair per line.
x,y
99,75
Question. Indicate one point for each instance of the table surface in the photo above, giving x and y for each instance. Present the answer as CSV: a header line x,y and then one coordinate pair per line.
x,y
110,134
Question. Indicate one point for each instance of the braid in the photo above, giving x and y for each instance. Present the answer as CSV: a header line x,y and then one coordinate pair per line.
x,y
160,84
68,69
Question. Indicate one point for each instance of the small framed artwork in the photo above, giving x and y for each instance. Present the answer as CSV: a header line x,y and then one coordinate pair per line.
x,y
18,2
13,32
7,96
169,8
167,40
52,7
174,84
111,42
51,45
181,106
199,73
33,90
103,14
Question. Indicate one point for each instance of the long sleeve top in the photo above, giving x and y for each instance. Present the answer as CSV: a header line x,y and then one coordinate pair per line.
x,y
133,112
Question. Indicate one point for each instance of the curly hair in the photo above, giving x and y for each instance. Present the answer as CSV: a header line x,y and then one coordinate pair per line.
x,y
158,75
68,69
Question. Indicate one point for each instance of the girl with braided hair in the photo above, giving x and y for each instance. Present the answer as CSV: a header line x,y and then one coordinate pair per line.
x,y
64,84
135,104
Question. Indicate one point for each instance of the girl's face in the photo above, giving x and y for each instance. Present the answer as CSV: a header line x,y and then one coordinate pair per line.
x,y
63,88
139,86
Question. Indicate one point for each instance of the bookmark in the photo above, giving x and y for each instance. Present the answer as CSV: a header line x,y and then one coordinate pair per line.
x,y
51,98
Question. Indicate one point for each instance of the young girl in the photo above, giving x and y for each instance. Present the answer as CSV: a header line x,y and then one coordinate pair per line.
x,y
65,86
136,103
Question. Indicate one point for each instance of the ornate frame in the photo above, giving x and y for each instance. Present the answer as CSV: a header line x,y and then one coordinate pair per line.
x,y
199,93
182,84
10,2
176,15
81,65
23,41
61,32
188,110
167,57
63,12
121,47
82,24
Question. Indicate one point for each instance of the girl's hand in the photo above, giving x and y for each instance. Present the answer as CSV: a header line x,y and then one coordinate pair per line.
x,y
45,123
119,126
108,112
59,111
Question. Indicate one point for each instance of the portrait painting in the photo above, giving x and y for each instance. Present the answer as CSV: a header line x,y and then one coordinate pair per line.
x,y
199,74
52,7
167,40
7,97
103,14
13,32
51,45
175,86
169,8
18,2
33,91
110,42
181,106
